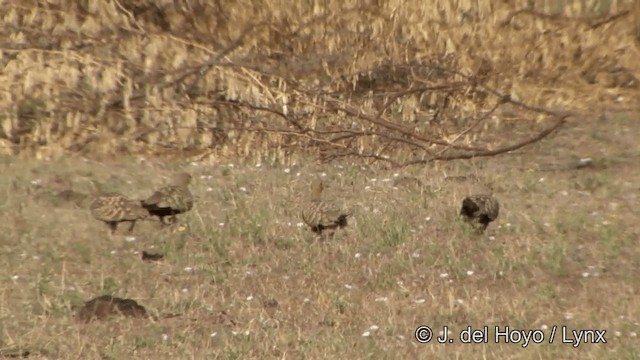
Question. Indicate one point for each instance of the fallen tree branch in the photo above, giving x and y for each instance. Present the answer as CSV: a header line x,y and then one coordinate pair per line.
x,y
541,135
476,123
352,111
592,22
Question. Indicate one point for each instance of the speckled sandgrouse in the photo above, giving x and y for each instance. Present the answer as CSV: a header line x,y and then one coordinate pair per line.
x,y
480,210
319,215
104,306
114,208
171,200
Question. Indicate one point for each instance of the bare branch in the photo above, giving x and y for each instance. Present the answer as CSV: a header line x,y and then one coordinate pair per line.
x,y
541,135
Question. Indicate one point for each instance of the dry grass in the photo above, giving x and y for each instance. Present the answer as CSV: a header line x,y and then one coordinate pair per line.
x,y
258,79
251,284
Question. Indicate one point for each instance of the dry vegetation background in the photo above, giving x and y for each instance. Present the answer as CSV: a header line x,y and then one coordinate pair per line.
x,y
397,81
277,84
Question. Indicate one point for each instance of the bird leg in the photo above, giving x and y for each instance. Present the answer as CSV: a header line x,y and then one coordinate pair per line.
x,y
113,226
132,225
322,236
325,234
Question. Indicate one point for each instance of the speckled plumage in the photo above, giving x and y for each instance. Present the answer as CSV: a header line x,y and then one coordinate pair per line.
x,y
172,199
114,208
319,215
480,210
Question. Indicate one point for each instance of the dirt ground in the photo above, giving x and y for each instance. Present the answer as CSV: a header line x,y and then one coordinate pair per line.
x,y
248,281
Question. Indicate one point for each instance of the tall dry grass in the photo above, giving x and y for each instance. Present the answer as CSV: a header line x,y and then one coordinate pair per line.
x,y
269,78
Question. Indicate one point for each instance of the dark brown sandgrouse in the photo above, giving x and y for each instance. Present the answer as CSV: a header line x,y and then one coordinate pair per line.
x,y
319,215
172,199
114,208
480,210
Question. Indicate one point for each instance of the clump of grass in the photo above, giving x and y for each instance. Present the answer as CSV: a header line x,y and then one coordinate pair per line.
x,y
614,240
387,274
384,235
109,286
554,257
218,244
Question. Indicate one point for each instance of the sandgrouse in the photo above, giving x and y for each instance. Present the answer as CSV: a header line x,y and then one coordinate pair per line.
x,y
319,215
172,199
480,210
114,208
